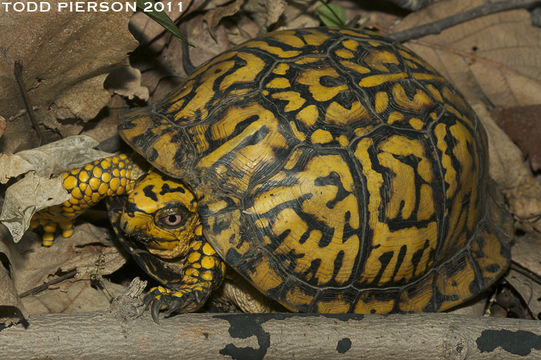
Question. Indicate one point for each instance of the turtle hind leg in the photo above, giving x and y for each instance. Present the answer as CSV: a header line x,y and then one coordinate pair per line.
x,y
239,293
202,273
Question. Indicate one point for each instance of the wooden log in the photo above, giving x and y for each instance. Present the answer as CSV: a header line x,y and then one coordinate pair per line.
x,y
101,335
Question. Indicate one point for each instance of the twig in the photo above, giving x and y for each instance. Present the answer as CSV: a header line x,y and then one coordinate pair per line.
x,y
100,335
438,26
46,285
189,67
18,72
526,272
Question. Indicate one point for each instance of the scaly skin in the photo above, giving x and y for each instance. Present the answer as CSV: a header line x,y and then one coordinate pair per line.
x,y
161,215
143,218
204,272
111,176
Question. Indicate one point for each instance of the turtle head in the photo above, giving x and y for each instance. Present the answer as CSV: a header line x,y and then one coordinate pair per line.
x,y
161,213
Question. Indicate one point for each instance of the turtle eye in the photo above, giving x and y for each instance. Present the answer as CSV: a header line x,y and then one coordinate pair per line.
x,y
172,220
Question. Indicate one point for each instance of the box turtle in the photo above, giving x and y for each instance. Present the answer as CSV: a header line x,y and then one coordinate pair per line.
x,y
333,169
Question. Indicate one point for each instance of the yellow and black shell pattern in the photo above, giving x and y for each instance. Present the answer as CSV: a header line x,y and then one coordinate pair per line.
x,y
335,170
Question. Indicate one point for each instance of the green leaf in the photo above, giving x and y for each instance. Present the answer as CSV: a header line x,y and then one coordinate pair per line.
x,y
332,15
164,20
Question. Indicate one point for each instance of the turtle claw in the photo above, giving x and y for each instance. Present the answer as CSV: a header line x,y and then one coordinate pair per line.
x,y
155,310
183,301
155,298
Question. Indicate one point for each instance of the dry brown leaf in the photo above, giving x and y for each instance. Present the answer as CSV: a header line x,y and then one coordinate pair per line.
x,y
2,125
301,14
107,127
126,81
163,79
243,30
206,47
526,253
83,100
8,295
265,12
213,16
59,51
89,251
67,297
20,133
50,159
155,41
28,196
145,29
495,58
528,289
377,16
507,168
523,125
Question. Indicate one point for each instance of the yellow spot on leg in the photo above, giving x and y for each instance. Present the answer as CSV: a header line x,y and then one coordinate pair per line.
x,y
114,185
102,189
96,172
208,250
70,182
193,257
207,275
83,176
76,193
95,183
208,262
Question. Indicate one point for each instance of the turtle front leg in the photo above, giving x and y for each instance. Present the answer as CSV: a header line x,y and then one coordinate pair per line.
x,y
87,185
203,272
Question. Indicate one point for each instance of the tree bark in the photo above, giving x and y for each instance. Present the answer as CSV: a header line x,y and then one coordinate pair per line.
x,y
100,335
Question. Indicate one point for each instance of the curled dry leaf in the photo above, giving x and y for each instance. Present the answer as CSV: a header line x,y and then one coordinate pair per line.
x,y
525,278
69,52
11,308
50,159
126,81
522,125
528,289
37,190
495,58
26,197
20,133
525,252
245,29
507,168
213,16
